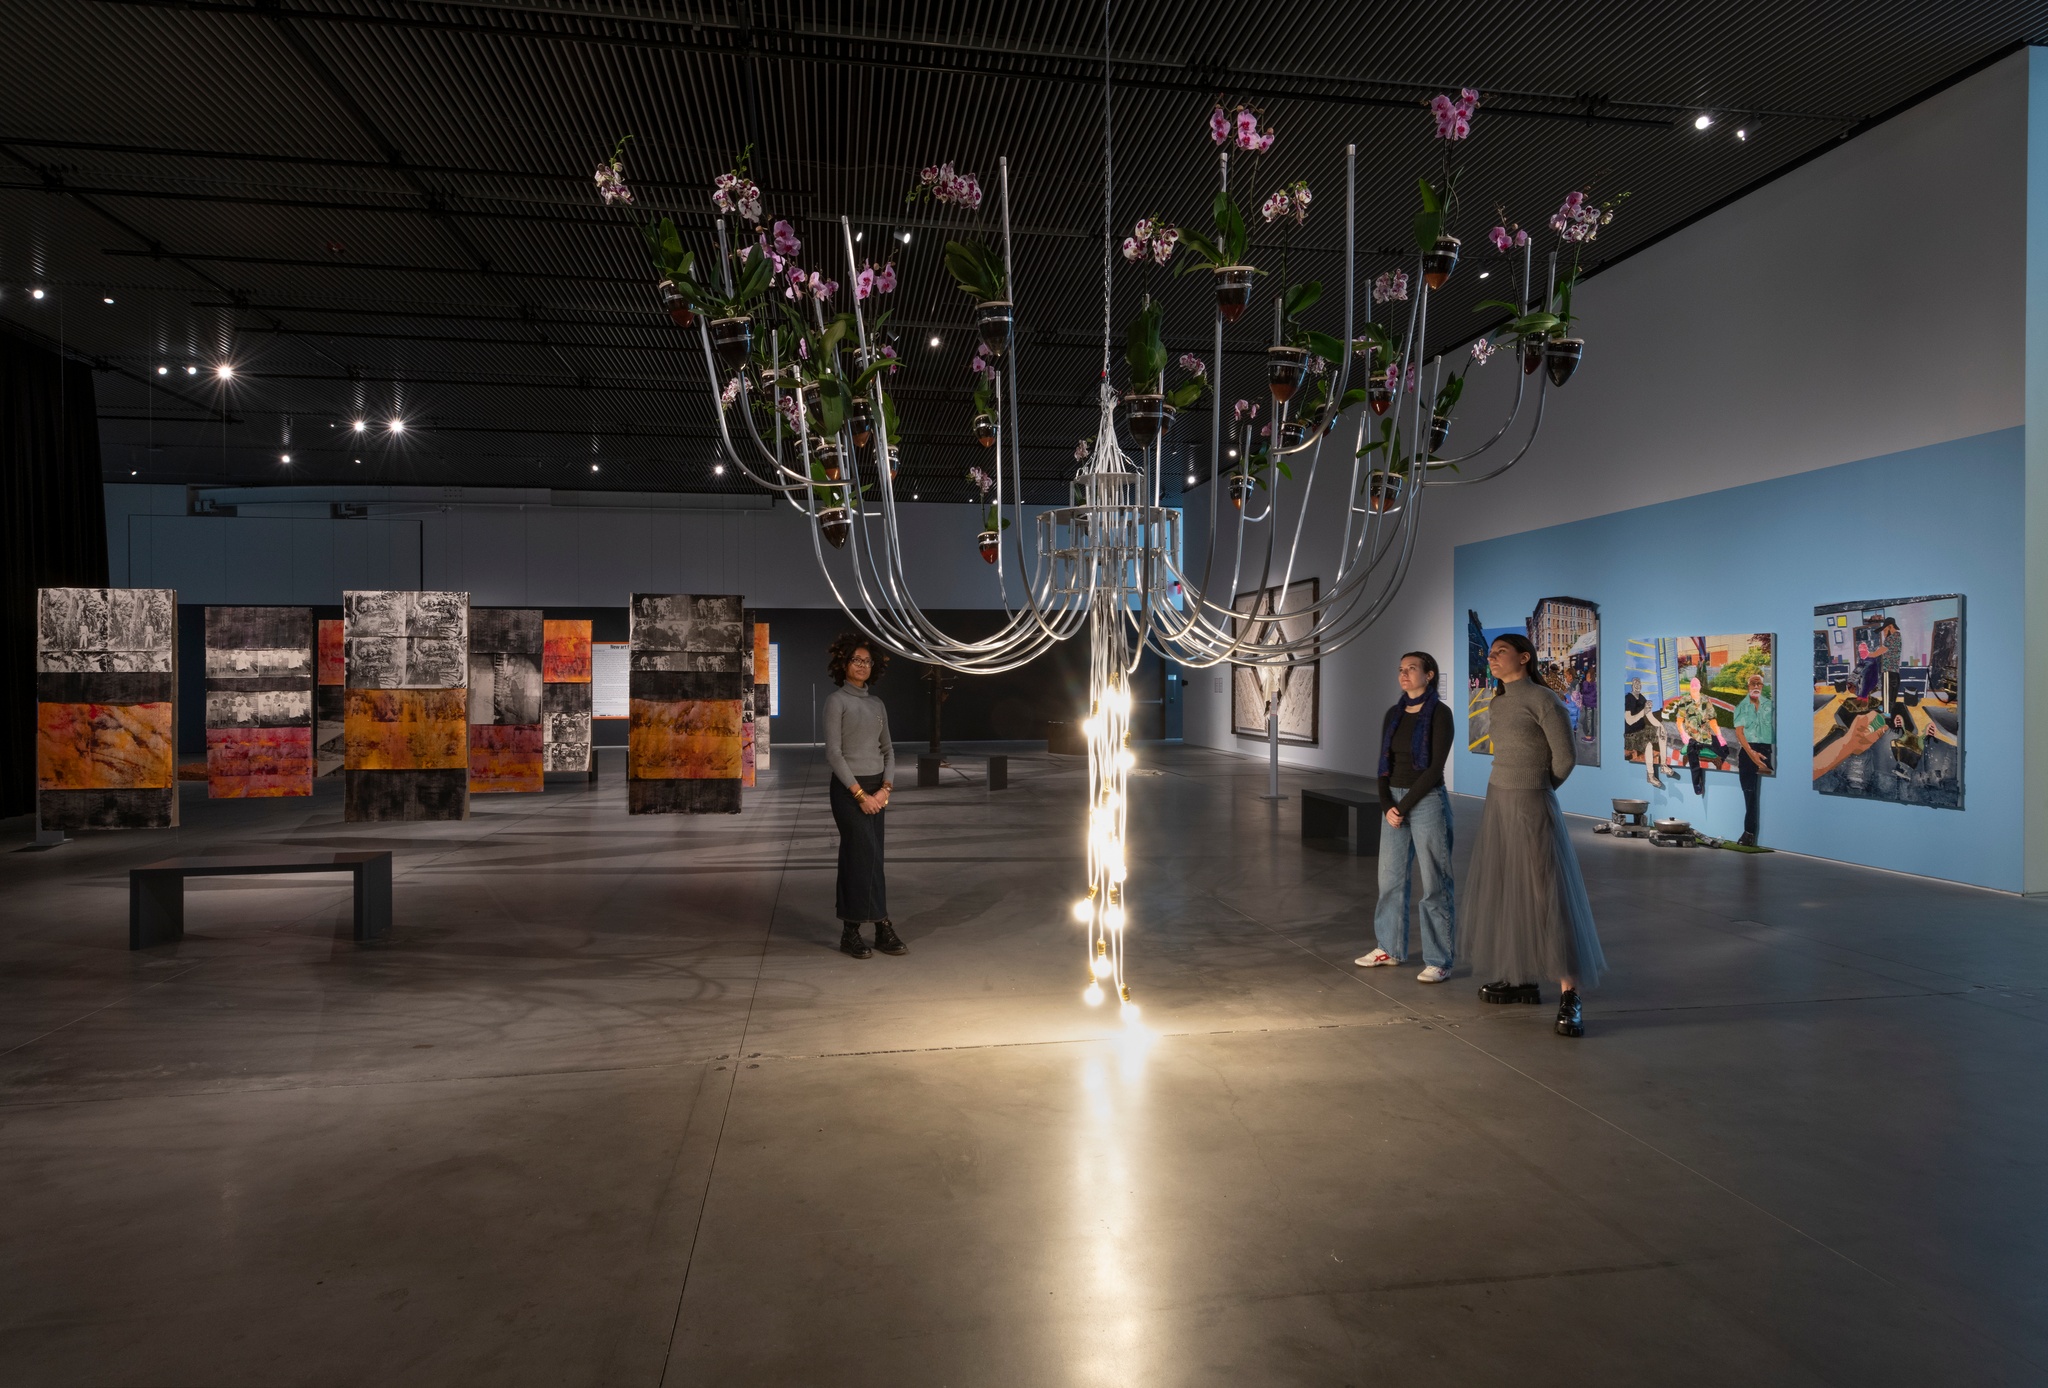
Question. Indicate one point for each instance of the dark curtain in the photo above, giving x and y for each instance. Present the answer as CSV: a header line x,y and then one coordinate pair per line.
x,y
53,529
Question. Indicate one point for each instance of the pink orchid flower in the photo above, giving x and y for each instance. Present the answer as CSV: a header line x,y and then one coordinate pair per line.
x,y
1219,125
785,239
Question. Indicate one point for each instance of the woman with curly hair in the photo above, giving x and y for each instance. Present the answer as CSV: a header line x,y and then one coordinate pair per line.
x,y
863,763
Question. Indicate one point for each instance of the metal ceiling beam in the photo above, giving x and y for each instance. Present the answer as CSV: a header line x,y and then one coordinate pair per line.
x,y
744,42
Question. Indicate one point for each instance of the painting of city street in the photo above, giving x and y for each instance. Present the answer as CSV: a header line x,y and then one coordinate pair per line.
x,y
1690,686
1888,700
1566,634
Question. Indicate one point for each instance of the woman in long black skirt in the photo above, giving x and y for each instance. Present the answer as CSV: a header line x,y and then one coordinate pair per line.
x,y
863,763
1526,914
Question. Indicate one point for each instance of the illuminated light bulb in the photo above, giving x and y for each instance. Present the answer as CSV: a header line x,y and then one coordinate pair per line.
x,y
1093,995
1091,726
361,425
1102,966
1112,800
191,371
1083,909
35,293
1123,702
1114,918
397,426
1129,1010
1116,871
163,371
225,372
1126,759
1702,122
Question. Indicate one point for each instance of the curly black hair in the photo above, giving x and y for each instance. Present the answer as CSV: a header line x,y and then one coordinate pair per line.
x,y
842,652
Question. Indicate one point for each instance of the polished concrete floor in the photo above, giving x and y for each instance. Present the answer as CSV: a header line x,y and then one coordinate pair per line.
x,y
610,1109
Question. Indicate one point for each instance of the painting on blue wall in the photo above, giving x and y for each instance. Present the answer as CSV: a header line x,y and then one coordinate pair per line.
x,y
1566,634
1683,695
1888,700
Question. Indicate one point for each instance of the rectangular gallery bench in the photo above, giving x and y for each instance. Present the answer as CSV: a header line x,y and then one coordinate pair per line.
x,y
156,891
928,767
1340,812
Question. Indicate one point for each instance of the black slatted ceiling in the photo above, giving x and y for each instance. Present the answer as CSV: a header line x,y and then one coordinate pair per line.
x,y
374,207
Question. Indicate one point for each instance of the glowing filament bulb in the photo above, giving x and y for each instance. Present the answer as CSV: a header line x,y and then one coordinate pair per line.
x,y
1091,726
1114,918
1093,995
1126,759
1101,966
1129,1010
1084,909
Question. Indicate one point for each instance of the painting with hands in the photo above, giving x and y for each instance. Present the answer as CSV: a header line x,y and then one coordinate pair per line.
x,y
1888,700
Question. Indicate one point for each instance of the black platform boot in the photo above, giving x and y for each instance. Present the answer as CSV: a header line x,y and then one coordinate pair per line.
x,y
852,943
886,939
1571,1018
1504,991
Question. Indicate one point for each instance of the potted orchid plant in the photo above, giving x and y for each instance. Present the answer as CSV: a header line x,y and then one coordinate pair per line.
x,y
1223,257
1149,405
975,266
1287,360
1439,248
1545,334
993,523
982,364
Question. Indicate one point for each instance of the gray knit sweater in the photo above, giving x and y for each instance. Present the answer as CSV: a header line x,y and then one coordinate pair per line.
x,y
1532,738
857,736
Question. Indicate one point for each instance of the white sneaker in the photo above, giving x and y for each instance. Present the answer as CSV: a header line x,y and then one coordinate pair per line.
x,y
1375,959
1433,974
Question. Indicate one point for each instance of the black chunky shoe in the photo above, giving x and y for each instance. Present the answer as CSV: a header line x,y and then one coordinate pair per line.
x,y
1504,991
886,939
1571,1018
852,943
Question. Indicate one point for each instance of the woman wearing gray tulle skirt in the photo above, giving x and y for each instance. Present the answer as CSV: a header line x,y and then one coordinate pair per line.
x,y
1526,915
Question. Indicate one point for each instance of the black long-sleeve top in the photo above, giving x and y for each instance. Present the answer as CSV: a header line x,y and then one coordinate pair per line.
x,y
1402,775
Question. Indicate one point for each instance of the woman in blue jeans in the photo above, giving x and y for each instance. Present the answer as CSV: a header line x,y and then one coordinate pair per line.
x,y
1415,745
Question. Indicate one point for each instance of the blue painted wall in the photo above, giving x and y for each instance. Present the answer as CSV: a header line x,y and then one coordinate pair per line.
x,y
1947,518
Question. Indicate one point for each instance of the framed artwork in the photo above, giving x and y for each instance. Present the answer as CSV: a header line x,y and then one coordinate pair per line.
x,y
1888,700
565,695
1267,617
1566,634
405,705
1687,689
688,687
330,731
505,716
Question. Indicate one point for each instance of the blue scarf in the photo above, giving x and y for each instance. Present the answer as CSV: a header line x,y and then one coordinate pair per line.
x,y
1425,719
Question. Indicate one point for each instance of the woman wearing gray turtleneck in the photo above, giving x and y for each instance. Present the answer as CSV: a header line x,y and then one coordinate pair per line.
x,y
1526,914
863,763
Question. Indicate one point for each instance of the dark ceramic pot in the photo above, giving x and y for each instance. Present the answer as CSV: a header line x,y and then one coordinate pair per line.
x,y
1285,368
827,455
678,307
1379,399
985,430
1383,492
1147,417
835,525
1240,488
1532,356
1439,432
1292,432
863,428
733,339
1561,358
992,321
1440,261
990,541
1233,290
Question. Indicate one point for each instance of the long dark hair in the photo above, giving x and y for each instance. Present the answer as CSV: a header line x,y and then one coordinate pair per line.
x,y
842,653
1515,641
1425,719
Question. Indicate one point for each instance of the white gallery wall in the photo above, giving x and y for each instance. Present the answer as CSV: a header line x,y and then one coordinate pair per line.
x,y
1869,302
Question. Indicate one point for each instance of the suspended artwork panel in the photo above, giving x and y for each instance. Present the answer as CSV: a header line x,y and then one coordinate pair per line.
x,y
106,708
1266,618
406,705
763,700
330,750
565,695
260,670
1888,700
688,689
506,735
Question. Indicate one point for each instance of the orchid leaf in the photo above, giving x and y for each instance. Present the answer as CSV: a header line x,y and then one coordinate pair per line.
x,y
1230,232
1302,297
1330,349
874,369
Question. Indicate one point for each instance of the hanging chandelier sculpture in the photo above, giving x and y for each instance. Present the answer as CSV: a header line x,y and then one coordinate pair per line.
x,y
799,387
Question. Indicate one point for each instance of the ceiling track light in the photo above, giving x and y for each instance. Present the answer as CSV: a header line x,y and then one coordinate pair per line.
x,y
1702,121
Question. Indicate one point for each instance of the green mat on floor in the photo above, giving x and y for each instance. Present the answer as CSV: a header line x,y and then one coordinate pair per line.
x,y
1733,847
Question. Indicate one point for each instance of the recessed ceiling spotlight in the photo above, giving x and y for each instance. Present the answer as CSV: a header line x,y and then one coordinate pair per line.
x,y
359,462
35,293
1484,273
163,371
285,458
593,467
1702,121
902,236
191,371
132,472
935,340
106,301
397,426
718,469
860,236
1233,452
1742,134
1191,479
361,425
224,371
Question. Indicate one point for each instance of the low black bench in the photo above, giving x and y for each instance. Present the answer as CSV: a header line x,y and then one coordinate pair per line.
x,y
1343,813
928,767
156,891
